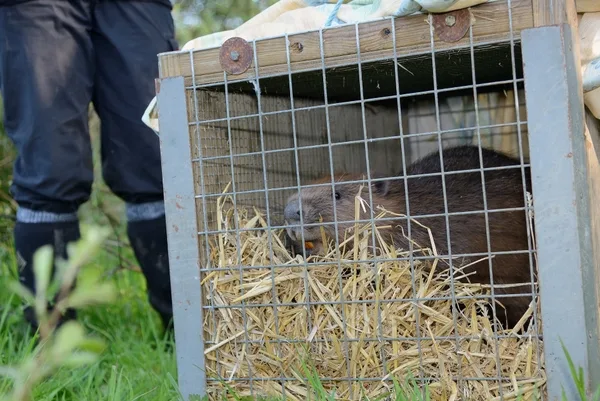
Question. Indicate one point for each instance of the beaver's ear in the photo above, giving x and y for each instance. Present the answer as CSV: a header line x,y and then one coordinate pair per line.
x,y
380,187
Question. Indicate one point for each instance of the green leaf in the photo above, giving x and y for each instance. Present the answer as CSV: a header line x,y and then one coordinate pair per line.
x,y
9,371
92,345
60,266
87,294
80,358
68,337
22,291
87,246
42,267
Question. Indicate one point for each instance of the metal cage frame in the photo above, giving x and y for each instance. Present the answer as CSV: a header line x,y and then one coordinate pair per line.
x,y
566,181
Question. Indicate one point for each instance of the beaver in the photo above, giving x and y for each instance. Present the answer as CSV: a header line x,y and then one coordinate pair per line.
x,y
507,229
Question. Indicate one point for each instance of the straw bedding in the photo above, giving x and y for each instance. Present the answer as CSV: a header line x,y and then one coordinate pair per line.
x,y
284,337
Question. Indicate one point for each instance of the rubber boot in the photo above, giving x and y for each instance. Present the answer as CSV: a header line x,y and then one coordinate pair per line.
x,y
29,237
148,239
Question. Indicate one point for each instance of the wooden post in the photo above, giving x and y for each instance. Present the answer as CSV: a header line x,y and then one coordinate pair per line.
x,y
588,6
555,12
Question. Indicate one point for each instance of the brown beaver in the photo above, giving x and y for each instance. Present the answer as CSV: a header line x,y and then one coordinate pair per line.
x,y
508,229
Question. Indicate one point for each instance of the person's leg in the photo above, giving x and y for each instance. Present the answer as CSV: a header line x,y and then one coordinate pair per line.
x,y
127,38
46,84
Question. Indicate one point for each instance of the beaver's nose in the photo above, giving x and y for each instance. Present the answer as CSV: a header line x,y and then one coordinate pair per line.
x,y
292,211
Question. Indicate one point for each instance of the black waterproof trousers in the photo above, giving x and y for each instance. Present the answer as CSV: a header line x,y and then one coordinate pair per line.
x,y
56,57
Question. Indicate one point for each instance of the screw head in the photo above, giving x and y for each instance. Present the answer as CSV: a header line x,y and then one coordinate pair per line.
x,y
235,56
450,20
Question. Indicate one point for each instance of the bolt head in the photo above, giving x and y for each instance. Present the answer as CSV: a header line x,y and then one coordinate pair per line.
x,y
450,20
235,56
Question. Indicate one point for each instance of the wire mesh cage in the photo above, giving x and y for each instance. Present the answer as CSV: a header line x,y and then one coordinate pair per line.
x,y
362,211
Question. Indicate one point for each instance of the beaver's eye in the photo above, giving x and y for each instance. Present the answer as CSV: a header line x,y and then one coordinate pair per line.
x,y
337,196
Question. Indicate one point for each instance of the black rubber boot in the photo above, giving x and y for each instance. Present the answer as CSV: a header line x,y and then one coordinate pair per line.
x,y
29,237
148,239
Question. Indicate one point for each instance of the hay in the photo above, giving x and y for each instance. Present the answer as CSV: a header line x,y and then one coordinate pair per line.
x,y
284,336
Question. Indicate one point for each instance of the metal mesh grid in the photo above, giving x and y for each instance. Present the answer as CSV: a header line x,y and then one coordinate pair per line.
x,y
262,148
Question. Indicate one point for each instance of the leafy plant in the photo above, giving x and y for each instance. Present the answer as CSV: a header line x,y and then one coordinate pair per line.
x,y
65,346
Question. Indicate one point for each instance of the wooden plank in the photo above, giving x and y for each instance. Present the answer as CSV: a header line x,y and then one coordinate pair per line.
x,y
592,146
588,6
592,295
491,22
554,12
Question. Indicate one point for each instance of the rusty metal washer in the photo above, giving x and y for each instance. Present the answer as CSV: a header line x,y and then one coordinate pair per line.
x,y
452,26
235,56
